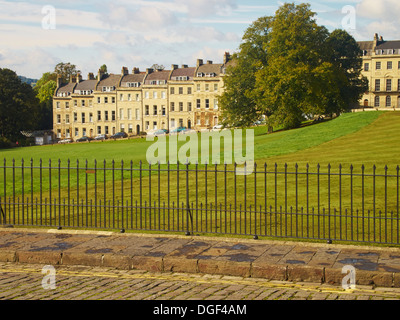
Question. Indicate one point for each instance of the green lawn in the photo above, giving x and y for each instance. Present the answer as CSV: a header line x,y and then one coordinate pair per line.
x,y
355,138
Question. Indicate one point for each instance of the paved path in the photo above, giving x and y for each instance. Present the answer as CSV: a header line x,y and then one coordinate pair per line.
x,y
32,282
269,260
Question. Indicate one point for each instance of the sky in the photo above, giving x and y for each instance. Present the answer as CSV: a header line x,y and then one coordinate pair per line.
x,y
38,34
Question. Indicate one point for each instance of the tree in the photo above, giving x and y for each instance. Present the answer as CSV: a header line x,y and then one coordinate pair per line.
x,y
19,107
239,103
289,66
66,70
346,57
103,69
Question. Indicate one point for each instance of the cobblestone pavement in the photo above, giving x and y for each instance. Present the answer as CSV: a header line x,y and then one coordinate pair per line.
x,y
25,282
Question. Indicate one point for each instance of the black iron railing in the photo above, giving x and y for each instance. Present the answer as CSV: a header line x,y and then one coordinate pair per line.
x,y
333,204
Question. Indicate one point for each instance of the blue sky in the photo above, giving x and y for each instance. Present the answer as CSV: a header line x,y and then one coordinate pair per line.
x,y
139,33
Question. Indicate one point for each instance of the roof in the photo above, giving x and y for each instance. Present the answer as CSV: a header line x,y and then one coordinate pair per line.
x,y
131,78
389,45
210,68
66,88
158,75
86,85
111,80
183,72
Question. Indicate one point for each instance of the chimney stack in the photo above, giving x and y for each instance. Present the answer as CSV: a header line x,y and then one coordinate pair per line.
x,y
100,75
199,62
59,81
184,66
209,62
90,76
78,78
174,66
135,71
124,71
227,57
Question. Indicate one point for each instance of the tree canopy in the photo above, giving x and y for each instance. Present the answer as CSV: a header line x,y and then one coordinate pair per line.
x,y
287,67
19,107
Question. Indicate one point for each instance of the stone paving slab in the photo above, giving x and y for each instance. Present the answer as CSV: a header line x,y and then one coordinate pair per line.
x,y
272,260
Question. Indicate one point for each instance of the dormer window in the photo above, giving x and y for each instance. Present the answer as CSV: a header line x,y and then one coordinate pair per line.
x,y
210,75
157,82
200,75
108,89
133,84
181,78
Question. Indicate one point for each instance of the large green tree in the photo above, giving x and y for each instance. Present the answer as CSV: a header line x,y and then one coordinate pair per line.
x,y
289,66
240,104
19,106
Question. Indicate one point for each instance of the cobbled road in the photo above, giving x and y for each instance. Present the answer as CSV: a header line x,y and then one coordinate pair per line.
x,y
27,282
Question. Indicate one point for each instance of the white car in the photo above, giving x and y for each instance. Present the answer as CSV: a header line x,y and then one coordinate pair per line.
x,y
65,141
217,127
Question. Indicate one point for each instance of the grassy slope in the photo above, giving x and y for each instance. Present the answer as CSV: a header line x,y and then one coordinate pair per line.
x,y
376,143
266,146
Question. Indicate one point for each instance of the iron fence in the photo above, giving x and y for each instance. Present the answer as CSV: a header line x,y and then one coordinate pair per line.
x,y
332,204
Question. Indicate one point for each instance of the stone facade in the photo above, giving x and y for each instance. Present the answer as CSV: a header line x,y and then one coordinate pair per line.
x,y
139,101
381,66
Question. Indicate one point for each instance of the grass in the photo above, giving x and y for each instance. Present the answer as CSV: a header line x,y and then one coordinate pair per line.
x,y
356,138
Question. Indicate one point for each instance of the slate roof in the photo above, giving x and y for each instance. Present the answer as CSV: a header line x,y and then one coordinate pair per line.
x,y
111,80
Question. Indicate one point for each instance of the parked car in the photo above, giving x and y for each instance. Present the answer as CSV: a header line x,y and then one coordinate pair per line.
x,y
84,139
65,141
119,135
217,127
101,137
177,130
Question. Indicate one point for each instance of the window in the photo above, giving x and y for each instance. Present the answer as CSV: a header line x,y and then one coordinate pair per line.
x,y
388,101
90,117
83,117
215,103
181,122
215,87
67,134
198,88
154,110
147,125
58,133
130,129
67,118
98,130
129,114
113,116
113,99
207,103
189,106
377,85
105,99
76,132
180,90
121,97
198,103
155,95
398,85
133,84
378,66
75,117
98,100
189,90
106,115
155,125
172,123
388,84
58,105
137,114
377,101
121,114
172,90
129,97
75,103
90,103
207,87
198,121
83,103
98,115
147,95
137,97
163,95
146,110
58,118
172,106
180,106
106,129
389,65
163,111
67,105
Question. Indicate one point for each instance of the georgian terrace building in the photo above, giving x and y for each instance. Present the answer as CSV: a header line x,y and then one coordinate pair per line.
x,y
381,66
139,101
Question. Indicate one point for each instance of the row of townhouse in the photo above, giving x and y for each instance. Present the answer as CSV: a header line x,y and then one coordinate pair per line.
x,y
139,101
381,66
